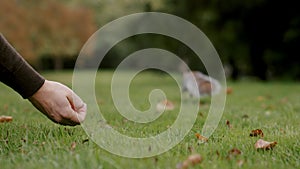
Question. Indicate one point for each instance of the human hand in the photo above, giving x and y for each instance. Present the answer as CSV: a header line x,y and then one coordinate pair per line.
x,y
59,103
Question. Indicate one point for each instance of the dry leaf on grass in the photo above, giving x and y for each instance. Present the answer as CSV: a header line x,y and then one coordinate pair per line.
x,y
5,119
257,132
228,90
228,124
265,145
233,153
201,138
165,105
73,146
192,160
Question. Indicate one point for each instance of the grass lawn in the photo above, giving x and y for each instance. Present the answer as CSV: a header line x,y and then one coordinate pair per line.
x,y
31,141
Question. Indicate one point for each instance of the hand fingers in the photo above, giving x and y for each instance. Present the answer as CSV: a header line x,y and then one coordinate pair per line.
x,y
78,108
81,113
77,102
72,117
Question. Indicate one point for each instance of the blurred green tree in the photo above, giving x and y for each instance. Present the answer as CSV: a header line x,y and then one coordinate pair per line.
x,y
256,37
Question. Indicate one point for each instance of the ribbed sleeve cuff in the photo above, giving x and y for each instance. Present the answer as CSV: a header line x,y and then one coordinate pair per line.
x,y
16,72
27,80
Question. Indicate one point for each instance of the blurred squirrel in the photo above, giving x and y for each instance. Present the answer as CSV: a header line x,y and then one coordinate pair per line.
x,y
205,85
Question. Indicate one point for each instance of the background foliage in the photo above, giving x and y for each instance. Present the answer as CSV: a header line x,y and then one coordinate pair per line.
x,y
257,38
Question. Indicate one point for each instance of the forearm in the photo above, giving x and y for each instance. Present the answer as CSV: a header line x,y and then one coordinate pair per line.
x,y
16,72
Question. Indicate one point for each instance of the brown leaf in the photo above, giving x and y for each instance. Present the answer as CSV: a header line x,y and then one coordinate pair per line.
x,y
233,153
257,132
228,90
73,146
265,145
201,138
195,159
228,124
165,105
192,160
5,119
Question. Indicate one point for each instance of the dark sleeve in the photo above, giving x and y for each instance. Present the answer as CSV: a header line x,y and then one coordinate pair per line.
x,y
16,72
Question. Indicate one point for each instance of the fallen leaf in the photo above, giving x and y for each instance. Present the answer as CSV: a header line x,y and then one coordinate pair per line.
x,y
73,146
195,159
164,105
257,132
192,160
201,138
228,124
233,153
228,90
5,119
265,145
